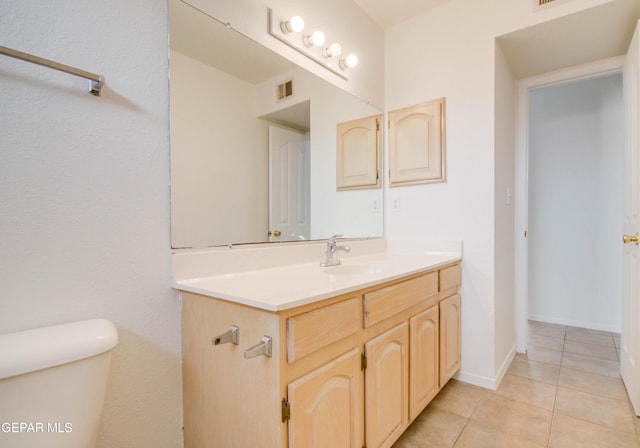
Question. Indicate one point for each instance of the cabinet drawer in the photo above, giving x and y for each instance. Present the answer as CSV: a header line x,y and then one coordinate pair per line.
x,y
311,331
384,303
450,277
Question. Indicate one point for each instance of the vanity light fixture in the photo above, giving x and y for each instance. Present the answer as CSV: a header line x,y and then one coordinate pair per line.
x,y
349,62
316,39
335,49
287,29
294,25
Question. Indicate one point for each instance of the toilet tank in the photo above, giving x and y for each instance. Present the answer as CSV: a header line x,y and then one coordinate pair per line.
x,y
52,384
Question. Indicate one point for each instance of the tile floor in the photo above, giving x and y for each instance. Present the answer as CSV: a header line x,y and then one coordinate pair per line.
x,y
565,392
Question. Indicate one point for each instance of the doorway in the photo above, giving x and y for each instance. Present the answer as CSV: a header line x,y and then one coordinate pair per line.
x,y
576,191
566,168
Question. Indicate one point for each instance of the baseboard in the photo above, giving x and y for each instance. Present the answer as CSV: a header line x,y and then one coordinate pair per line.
x,y
505,365
573,323
485,381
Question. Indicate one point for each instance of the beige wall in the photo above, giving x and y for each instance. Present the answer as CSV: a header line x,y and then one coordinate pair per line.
x,y
456,58
84,194
219,158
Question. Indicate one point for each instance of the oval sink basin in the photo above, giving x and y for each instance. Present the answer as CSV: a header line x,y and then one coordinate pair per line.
x,y
356,269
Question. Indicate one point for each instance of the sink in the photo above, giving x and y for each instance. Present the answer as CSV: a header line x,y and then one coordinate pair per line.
x,y
357,269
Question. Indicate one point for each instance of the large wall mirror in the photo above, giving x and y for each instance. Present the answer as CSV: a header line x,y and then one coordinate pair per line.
x,y
253,143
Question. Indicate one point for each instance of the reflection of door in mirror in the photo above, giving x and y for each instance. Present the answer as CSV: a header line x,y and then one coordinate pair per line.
x,y
289,209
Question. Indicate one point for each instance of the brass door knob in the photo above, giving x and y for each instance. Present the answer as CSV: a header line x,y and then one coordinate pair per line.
x,y
626,239
277,233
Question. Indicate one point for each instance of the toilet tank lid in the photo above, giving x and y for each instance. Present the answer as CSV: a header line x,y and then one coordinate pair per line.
x,y
41,348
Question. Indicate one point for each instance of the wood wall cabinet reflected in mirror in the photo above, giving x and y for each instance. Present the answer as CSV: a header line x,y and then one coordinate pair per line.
x,y
358,154
417,144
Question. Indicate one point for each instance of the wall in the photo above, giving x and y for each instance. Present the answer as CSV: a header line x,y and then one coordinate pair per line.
x,y
576,172
84,194
456,59
215,137
342,21
349,213
504,186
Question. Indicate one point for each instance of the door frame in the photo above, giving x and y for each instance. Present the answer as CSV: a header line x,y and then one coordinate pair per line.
x,y
591,70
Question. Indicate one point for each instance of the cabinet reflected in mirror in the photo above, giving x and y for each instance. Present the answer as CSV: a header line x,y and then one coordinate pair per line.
x,y
227,95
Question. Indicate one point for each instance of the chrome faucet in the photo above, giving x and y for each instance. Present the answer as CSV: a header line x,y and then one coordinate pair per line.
x,y
332,248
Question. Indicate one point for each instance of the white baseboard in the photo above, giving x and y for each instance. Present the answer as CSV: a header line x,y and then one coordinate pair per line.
x,y
485,381
573,323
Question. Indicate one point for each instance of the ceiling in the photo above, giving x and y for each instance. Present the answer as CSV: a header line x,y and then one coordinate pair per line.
x,y
586,36
388,13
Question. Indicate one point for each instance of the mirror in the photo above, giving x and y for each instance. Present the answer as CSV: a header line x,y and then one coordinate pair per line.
x,y
253,143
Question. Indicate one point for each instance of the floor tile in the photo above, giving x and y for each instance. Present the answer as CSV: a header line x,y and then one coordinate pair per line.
x,y
605,386
433,428
476,435
592,350
459,398
568,432
565,392
613,414
542,355
589,364
590,336
547,342
549,330
512,417
528,391
534,370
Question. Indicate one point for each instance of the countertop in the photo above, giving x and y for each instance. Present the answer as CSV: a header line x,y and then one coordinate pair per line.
x,y
289,285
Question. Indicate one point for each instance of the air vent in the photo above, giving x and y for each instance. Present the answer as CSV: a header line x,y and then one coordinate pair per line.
x,y
285,90
544,4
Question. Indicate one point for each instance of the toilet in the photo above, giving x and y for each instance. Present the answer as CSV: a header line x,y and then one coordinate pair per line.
x,y
52,384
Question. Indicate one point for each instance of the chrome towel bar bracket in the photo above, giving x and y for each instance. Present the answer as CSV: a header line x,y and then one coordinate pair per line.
x,y
97,81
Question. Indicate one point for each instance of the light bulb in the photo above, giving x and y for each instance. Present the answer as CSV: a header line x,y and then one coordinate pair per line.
x,y
349,62
335,49
315,39
294,25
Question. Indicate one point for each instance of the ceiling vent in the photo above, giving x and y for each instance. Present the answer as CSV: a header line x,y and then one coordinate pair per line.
x,y
285,90
544,4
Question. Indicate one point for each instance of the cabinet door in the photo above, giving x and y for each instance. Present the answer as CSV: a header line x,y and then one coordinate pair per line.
x,y
358,153
386,386
417,144
449,338
423,360
326,406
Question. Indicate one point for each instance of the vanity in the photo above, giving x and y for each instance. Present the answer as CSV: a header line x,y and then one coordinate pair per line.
x,y
279,352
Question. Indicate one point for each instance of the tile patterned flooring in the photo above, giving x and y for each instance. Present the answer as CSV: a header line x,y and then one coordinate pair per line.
x,y
565,392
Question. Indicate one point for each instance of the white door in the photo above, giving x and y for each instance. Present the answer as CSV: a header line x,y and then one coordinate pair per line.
x,y
289,194
630,340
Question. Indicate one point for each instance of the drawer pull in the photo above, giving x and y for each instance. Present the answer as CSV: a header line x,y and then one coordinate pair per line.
x,y
231,335
262,348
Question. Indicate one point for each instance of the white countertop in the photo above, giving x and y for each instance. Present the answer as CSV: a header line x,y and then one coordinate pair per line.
x,y
287,285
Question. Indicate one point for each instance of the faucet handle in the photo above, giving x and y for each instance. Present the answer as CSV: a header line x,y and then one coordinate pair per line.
x,y
333,238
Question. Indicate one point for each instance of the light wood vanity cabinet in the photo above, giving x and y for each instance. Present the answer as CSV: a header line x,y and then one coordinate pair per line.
x,y
326,405
349,371
424,344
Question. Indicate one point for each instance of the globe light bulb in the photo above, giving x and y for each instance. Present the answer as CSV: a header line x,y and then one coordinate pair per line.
x,y
335,49
294,25
315,39
349,62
